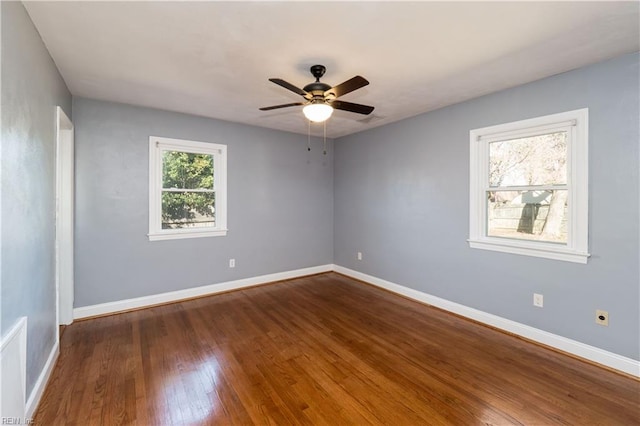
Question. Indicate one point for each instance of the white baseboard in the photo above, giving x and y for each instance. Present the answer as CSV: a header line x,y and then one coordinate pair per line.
x,y
174,296
591,353
38,389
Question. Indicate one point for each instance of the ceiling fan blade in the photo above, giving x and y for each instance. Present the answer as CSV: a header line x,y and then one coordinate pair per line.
x,y
346,87
289,86
280,106
348,106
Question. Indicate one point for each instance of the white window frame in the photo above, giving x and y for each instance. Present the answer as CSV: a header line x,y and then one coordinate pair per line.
x,y
576,123
219,152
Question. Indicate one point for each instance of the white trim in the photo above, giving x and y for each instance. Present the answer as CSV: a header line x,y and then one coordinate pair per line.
x,y
526,248
173,296
525,128
186,233
64,217
576,123
591,353
219,152
41,383
14,343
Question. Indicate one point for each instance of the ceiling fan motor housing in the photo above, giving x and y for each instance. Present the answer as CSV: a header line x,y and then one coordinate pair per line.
x,y
317,88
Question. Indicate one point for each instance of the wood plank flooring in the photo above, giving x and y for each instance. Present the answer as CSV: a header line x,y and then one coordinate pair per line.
x,y
322,350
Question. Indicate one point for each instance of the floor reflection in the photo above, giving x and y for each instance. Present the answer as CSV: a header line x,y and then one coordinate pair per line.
x,y
189,392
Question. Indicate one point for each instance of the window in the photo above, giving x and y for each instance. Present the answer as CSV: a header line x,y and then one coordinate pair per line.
x,y
187,189
529,187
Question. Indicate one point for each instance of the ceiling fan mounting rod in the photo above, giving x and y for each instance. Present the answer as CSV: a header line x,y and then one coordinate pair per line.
x,y
318,71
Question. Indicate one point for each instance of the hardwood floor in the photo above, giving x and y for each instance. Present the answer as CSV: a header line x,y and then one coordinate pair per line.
x,y
319,350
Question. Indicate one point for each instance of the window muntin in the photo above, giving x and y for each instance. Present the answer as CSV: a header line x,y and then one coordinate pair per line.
x,y
529,187
187,189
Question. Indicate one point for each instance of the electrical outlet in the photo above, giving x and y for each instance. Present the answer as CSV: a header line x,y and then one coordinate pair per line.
x,y
232,263
538,300
602,317
359,255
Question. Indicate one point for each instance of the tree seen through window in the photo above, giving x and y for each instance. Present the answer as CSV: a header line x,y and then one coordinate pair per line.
x,y
188,193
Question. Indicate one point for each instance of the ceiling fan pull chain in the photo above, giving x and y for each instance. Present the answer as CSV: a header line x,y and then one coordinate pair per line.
x,y
325,137
309,136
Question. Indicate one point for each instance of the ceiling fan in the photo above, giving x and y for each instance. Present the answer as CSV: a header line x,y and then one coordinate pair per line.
x,y
321,99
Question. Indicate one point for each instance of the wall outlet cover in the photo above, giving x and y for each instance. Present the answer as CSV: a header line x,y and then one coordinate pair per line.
x,y
538,300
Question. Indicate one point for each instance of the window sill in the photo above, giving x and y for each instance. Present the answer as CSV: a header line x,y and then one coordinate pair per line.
x,y
177,235
522,248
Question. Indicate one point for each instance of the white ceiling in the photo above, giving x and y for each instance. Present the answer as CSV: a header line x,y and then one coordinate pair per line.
x,y
214,58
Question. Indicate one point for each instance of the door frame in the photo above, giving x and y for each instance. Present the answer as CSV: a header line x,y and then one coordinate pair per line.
x,y
65,176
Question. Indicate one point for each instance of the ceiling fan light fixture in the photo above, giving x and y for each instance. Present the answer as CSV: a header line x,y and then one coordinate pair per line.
x,y
317,112
320,98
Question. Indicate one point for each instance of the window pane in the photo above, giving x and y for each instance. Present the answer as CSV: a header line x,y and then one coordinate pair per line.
x,y
187,170
188,210
536,160
528,215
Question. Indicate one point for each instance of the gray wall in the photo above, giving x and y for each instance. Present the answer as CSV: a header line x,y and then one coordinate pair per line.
x,y
402,198
280,204
31,89
390,185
